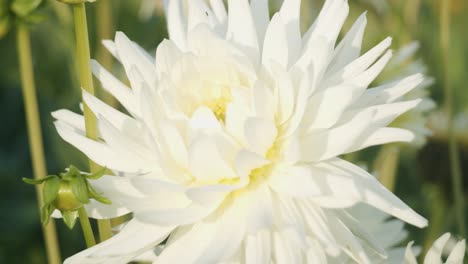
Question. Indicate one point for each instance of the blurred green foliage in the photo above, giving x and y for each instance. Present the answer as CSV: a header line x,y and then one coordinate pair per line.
x,y
423,177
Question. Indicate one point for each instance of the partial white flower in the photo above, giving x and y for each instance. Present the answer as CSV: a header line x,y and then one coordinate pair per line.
x,y
403,64
230,146
150,7
390,233
435,253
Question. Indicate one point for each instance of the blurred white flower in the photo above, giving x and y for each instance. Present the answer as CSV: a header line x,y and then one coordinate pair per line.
x,y
403,64
230,148
150,7
435,253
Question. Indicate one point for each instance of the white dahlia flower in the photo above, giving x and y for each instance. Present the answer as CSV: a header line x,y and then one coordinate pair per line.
x,y
229,151
434,256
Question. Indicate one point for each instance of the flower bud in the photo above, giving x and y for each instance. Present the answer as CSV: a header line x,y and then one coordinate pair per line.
x,y
68,192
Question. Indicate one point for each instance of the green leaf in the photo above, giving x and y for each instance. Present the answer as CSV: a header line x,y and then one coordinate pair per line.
x,y
37,181
97,175
23,8
51,188
96,196
69,217
79,189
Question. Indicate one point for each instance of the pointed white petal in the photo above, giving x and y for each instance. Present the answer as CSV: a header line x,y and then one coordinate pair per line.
x,y
176,24
120,91
132,241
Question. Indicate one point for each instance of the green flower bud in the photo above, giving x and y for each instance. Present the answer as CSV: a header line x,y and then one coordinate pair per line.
x,y
67,192
66,199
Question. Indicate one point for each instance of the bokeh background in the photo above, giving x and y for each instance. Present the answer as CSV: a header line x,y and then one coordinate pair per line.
x,y
423,175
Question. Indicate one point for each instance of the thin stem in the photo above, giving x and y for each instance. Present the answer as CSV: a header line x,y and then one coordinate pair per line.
x,y
86,227
104,31
386,165
86,81
35,135
457,184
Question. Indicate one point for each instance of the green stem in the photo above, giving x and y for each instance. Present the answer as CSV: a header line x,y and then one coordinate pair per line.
x,y
86,81
104,30
35,135
86,227
386,165
457,183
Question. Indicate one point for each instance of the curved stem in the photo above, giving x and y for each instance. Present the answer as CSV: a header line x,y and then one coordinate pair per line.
x,y
35,134
86,81
86,227
457,184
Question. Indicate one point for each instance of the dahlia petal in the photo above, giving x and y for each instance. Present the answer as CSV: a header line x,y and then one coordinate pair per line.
x,y
458,253
275,46
376,195
382,136
260,134
285,250
388,93
348,241
167,54
285,96
434,254
75,120
368,76
325,108
410,258
110,46
246,161
175,143
100,153
132,57
261,18
118,140
134,239
204,119
333,142
263,100
111,84
229,236
219,10
99,210
259,210
176,25
206,163
290,12
241,27
359,65
258,248
315,254
203,241
198,13
180,216
349,48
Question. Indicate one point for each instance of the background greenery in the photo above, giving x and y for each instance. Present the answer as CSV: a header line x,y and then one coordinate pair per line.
x,y
423,177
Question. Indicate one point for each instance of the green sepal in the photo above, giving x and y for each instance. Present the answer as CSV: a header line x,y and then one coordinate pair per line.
x,y
51,188
69,217
46,212
96,175
37,181
79,189
22,8
96,196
